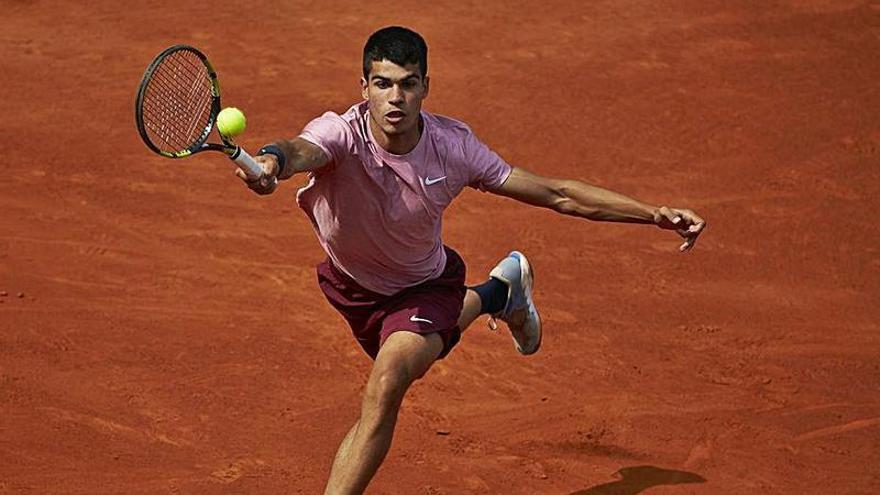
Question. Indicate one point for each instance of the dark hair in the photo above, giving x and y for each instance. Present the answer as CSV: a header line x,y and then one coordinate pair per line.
x,y
396,44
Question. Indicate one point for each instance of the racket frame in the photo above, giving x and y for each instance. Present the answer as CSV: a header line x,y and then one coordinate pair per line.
x,y
232,150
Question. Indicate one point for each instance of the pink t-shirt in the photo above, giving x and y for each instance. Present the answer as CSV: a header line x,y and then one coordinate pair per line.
x,y
378,215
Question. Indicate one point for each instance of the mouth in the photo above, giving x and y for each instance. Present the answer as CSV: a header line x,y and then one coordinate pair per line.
x,y
394,116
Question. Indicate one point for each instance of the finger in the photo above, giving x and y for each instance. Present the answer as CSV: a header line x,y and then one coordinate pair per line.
x,y
670,215
692,218
689,242
692,231
673,216
241,175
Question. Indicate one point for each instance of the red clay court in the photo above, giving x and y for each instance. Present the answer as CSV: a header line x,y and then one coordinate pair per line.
x,y
161,329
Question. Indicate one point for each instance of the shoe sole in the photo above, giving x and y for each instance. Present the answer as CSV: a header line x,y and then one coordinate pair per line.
x,y
527,276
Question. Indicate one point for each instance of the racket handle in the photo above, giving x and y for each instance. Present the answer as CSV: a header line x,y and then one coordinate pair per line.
x,y
247,163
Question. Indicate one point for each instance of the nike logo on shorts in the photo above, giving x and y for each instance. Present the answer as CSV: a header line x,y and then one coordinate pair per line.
x,y
429,181
416,318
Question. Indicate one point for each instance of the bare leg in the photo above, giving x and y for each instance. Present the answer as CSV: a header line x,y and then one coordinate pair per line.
x,y
403,359
470,310
345,446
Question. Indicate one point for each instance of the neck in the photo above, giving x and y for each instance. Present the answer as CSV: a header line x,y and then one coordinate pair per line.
x,y
397,144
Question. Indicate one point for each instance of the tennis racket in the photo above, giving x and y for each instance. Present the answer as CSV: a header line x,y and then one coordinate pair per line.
x,y
177,105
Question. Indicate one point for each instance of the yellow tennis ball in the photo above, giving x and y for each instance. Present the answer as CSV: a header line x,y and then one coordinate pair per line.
x,y
231,122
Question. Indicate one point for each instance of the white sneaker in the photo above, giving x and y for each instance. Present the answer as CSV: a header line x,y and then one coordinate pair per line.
x,y
519,313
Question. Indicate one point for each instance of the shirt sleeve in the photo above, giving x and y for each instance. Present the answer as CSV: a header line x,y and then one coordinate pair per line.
x,y
486,170
331,133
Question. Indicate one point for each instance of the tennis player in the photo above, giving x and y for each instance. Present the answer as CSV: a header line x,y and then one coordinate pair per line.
x,y
380,177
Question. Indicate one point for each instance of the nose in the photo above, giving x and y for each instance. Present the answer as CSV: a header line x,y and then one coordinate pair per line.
x,y
396,94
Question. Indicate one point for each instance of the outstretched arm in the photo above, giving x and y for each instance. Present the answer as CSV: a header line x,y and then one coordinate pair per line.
x,y
299,156
579,199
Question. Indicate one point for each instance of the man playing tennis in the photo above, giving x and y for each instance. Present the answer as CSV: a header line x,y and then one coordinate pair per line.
x,y
381,175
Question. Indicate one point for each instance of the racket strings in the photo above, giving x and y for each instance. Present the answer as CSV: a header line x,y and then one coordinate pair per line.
x,y
183,102
177,102
174,121
181,83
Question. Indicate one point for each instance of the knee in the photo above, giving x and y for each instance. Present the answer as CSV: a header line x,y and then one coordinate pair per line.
x,y
385,391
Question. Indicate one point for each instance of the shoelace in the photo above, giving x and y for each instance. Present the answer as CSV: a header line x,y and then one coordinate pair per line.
x,y
492,324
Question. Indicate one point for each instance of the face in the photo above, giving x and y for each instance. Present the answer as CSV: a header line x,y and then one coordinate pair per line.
x,y
395,94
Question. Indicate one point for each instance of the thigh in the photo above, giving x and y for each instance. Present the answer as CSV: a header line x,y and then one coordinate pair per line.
x,y
406,356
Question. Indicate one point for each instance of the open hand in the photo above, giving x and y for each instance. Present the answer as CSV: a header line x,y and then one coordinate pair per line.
x,y
685,222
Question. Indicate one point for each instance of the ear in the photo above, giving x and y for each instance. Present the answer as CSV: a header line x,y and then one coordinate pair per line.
x,y
365,89
427,86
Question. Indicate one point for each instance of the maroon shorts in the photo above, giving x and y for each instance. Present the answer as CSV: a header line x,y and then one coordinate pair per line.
x,y
430,307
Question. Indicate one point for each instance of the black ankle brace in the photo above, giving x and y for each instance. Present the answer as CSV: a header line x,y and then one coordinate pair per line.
x,y
493,295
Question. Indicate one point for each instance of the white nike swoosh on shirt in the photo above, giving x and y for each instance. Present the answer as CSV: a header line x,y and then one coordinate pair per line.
x,y
416,318
429,181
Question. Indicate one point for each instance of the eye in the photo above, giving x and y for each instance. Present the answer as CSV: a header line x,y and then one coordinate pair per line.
x,y
382,84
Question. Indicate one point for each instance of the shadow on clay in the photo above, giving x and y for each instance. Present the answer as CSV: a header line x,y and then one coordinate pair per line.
x,y
636,479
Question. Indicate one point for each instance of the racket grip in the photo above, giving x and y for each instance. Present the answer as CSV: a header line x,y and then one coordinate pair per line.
x,y
247,163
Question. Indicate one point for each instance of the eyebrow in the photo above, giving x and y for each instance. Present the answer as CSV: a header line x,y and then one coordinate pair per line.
x,y
388,79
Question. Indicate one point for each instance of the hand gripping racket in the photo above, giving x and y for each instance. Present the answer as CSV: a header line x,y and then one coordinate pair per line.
x,y
177,105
